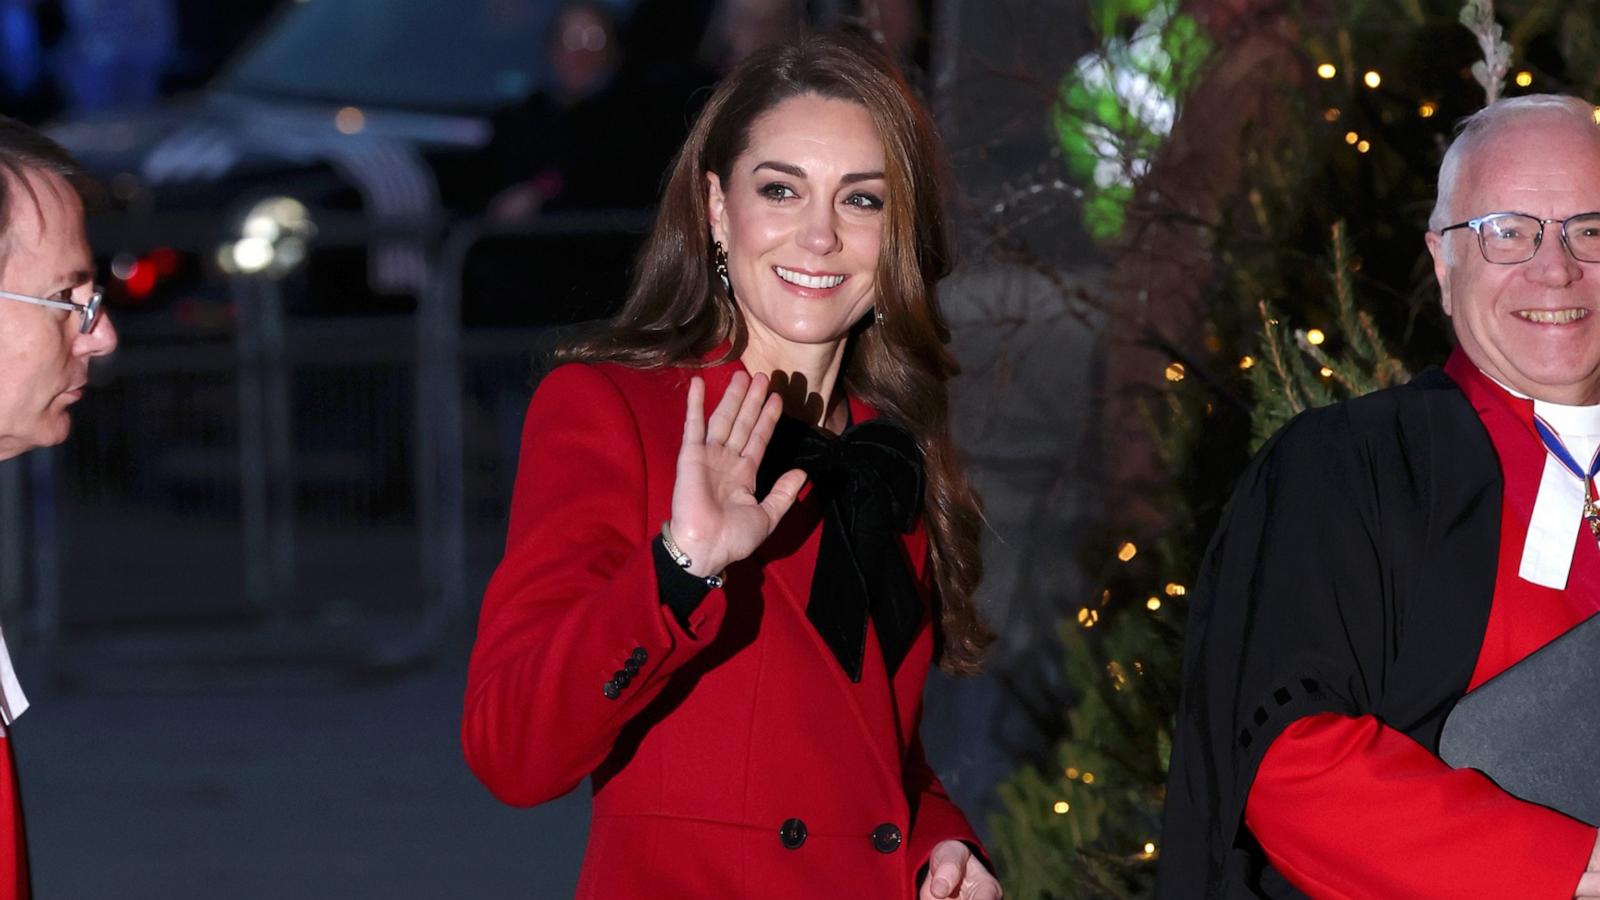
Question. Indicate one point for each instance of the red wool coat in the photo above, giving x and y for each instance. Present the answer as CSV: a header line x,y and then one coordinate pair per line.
x,y
740,760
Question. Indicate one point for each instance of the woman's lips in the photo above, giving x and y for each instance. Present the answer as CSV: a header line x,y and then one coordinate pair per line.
x,y
808,280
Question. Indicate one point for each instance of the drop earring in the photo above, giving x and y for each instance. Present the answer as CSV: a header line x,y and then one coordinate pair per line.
x,y
719,264
877,313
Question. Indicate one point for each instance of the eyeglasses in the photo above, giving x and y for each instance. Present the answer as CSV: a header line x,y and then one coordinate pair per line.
x,y
1508,238
89,311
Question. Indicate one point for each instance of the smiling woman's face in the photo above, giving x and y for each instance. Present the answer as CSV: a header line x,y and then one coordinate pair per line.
x,y
801,217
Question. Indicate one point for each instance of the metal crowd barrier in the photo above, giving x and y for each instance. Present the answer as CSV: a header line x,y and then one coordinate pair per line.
x,y
239,471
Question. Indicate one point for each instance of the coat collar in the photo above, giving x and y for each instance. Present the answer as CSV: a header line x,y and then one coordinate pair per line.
x,y
717,369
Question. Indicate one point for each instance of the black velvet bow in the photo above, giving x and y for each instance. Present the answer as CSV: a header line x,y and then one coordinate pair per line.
x,y
869,481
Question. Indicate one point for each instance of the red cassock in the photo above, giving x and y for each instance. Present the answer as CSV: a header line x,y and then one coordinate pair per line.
x,y
1348,807
737,759
13,843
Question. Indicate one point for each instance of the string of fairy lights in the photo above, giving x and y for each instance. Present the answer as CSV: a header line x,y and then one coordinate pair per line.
x,y
1373,79
1426,109
1089,617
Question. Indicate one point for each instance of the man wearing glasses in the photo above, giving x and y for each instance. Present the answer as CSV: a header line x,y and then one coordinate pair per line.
x,y
50,325
1382,557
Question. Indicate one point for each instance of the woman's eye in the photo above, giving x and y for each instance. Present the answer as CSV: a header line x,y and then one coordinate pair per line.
x,y
863,200
777,191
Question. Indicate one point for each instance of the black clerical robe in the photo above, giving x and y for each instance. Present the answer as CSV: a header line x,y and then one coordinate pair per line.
x,y
1353,574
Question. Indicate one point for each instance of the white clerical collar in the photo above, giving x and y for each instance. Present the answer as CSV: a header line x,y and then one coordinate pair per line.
x,y
13,702
1557,520
1568,421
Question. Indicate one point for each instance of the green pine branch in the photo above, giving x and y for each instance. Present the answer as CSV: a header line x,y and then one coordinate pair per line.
x,y
1490,72
1296,374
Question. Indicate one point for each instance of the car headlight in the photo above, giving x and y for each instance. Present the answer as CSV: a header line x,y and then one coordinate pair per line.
x,y
272,239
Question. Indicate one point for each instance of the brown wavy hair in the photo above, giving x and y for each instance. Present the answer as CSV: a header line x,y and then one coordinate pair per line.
x,y
677,311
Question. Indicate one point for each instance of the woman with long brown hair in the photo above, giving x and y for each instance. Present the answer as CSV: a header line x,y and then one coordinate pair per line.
x,y
726,622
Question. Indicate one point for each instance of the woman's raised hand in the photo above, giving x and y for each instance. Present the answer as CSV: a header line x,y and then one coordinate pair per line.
x,y
716,519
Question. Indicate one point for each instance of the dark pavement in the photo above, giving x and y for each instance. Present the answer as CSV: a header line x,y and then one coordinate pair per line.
x,y
286,787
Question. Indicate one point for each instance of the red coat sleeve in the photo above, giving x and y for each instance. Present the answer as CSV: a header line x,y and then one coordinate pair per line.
x,y
574,599
1348,807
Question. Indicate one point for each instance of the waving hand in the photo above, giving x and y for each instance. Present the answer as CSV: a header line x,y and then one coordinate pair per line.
x,y
716,519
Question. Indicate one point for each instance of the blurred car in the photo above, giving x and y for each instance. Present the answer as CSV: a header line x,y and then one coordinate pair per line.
x,y
379,118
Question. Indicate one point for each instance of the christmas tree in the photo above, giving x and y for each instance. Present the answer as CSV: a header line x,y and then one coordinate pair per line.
x,y
1262,176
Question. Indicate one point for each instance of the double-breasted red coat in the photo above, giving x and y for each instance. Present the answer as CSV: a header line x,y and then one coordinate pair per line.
x,y
739,760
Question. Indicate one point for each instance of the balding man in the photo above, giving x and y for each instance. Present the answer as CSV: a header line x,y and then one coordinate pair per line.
x,y
50,325
1384,556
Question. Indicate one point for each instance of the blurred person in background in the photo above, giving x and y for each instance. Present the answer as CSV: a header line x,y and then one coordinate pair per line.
x,y
664,39
597,139
741,27
51,325
582,143
726,623
899,26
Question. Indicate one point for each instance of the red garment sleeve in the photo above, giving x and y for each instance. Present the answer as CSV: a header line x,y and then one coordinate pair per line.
x,y
1348,807
13,844
574,606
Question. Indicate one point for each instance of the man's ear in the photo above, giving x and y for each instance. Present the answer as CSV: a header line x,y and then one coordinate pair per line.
x,y
716,208
1441,267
